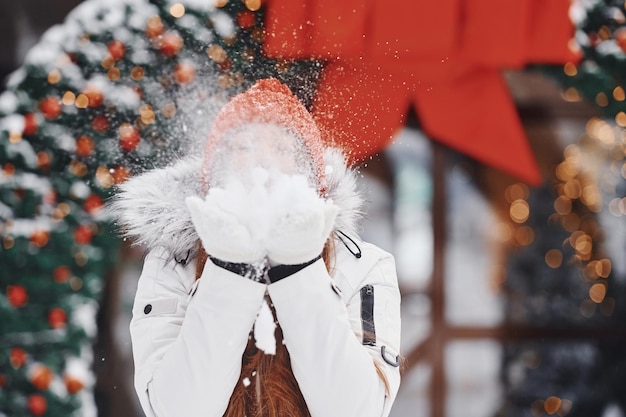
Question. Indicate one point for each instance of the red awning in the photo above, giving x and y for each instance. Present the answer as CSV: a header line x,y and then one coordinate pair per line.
x,y
445,58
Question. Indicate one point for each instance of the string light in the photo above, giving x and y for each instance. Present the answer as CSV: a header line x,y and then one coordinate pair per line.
x,y
516,191
8,242
81,258
154,27
82,101
570,222
114,74
108,62
602,100
597,292
253,5
147,115
570,69
169,110
54,76
600,130
519,211
571,95
78,168
177,10
554,258
524,236
15,136
104,177
224,81
563,205
137,73
76,283
216,53
68,98
552,405
572,189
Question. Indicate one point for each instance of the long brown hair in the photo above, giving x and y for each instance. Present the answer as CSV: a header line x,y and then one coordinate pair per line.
x,y
267,386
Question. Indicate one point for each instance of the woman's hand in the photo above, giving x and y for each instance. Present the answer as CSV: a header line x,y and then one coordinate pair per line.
x,y
302,224
279,216
221,228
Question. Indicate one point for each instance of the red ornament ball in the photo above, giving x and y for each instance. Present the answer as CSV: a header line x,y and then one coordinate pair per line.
x,y
226,65
154,27
50,107
37,404
138,90
61,274
82,234
100,124
93,203
57,318
170,44
116,49
39,238
3,381
129,137
120,174
17,295
43,160
95,96
17,357
246,19
184,73
30,124
41,376
620,38
73,385
84,146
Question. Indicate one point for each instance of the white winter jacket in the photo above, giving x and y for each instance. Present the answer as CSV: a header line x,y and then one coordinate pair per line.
x,y
188,342
189,336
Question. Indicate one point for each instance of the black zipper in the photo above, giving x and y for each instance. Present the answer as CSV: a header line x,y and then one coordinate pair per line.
x,y
367,315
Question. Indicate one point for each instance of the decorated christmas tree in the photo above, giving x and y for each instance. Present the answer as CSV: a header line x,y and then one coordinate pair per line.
x,y
600,41
577,225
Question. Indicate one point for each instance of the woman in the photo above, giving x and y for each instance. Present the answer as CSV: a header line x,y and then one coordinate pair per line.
x,y
264,225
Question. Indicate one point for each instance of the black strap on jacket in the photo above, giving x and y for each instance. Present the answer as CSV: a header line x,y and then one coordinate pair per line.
x,y
243,269
354,249
367,315
283,271
274,274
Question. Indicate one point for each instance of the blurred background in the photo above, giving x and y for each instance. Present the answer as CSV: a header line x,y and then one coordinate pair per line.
x,y
507,226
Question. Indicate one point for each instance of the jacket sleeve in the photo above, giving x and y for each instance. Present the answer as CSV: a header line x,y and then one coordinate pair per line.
x,y
187,348
334,369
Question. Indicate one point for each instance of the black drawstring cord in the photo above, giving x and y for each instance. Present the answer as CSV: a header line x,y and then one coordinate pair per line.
x,y
183,262
356,254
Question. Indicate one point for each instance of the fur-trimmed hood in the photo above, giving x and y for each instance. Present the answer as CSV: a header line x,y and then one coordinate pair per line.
x,y
150,207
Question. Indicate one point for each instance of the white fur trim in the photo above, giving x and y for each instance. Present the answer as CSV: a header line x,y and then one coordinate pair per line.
x,y
150,207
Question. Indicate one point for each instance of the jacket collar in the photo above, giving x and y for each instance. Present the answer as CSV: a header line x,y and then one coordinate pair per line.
x,y
150,207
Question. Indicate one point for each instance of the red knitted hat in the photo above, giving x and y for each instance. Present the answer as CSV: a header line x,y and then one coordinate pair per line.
x,y
269,101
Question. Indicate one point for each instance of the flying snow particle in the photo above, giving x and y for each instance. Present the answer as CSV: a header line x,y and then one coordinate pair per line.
x,y
264,330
